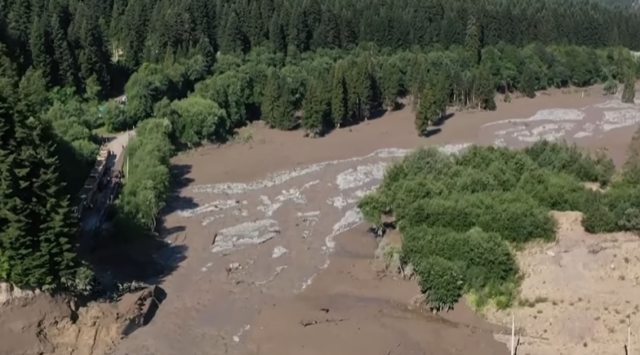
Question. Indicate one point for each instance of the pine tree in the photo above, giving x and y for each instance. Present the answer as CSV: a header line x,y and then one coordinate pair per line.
x,y
254,30
95,55
339,95
270,98
64,60
299,34
528,82
11,235
35,241
315,108
277,35
277,109
428,111
485,88
41,50
33,91
360,89
437,84
390,80
134,27
285,109
472,40
233,39
20,19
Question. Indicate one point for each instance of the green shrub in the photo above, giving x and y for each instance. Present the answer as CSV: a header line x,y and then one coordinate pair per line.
x,y
572,160
147,183
515,215
458,212
556,191
485,256
480,261
441,281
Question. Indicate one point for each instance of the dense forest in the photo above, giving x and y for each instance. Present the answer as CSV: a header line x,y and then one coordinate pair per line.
x,y
194,71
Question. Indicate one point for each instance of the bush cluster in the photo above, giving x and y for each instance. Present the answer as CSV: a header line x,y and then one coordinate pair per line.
x,y
148,178
460,214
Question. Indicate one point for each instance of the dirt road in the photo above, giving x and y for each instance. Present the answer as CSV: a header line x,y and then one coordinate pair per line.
x,y
117,144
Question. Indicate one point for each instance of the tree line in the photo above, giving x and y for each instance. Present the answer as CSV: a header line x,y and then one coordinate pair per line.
x,y
92,46
462,215
326,89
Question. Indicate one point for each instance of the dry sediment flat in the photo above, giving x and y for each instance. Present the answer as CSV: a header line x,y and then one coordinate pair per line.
x,y
579,292
260,221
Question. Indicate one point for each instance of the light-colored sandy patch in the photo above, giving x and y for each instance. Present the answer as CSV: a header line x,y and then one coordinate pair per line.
x,y
577,292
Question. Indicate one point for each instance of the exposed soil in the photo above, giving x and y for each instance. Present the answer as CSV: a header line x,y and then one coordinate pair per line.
x,y
255,279
42,324
578,293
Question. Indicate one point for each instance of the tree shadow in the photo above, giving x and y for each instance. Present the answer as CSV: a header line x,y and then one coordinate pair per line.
x,y
106,138
117,262
179,176
138,255
179,181
167,233
431,132
397,106
377,113
442,120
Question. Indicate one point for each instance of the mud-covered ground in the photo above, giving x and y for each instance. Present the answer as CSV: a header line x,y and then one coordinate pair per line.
x,y
261,219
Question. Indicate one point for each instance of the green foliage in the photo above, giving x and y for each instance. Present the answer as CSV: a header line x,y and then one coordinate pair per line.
x,y
277,109
458,214
148,180
196,120
631,169
427,111
610,87
476,261
629,89
315,107
36,247
572,160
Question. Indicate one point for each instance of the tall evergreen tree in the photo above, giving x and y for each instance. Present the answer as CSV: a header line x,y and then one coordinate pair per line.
x,y
41,51
428,110
528,82
315,108
277,35
360,89
339,95
64,59
485,88
96,59
277,108
390,83
472,40
439,93
233,38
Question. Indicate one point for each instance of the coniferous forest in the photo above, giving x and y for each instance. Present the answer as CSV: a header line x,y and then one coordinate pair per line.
x,y
195,70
